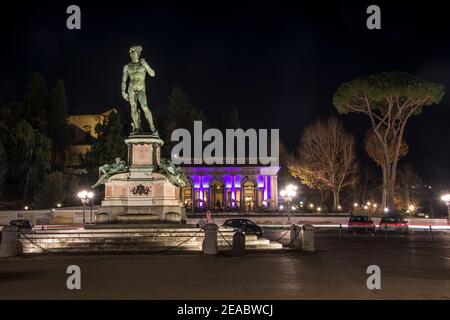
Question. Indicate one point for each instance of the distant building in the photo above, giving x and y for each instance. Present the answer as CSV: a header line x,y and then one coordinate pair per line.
x,y
223,188
82,132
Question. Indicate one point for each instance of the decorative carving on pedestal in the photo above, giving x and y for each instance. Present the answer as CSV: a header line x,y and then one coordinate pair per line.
x,y
141,190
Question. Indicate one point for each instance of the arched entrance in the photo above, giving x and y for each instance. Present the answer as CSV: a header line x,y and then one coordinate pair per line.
x,y
249,195
217,195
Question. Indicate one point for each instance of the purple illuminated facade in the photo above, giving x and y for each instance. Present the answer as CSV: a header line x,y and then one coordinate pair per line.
x,y
244,188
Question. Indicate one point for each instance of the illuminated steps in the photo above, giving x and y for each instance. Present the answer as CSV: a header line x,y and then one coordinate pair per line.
x,y
132,240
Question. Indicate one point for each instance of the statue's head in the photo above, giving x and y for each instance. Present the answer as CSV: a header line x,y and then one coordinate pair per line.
x,y
135,53
118,160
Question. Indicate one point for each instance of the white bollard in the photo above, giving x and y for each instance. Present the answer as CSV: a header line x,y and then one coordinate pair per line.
x,y
8,246
210,241
308,238
296,237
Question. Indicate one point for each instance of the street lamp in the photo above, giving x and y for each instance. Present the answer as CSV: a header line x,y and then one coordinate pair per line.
x,y
85,197
288,193
355,207
446,199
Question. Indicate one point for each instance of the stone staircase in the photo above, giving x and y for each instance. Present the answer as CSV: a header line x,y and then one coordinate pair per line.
x,y
126,239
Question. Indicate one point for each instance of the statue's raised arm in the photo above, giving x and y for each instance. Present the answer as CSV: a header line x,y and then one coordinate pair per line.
x,y
150,71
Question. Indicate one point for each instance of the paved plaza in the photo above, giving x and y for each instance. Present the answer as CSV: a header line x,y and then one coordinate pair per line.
x,y
412,267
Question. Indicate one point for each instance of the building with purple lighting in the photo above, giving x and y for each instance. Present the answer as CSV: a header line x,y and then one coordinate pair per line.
x,y
243,188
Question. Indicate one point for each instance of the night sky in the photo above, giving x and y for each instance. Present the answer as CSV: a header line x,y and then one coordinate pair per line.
x,y
278,62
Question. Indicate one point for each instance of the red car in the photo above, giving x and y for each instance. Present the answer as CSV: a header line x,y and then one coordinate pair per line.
x,y
394,224
361,224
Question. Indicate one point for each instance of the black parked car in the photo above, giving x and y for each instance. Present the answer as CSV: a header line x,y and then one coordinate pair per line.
x,y
23,225
245,225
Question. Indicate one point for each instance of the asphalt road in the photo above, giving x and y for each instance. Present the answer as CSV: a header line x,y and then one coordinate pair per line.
x,y
411,266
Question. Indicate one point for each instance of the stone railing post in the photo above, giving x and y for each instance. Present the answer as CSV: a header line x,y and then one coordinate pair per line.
x,y
210,242
238,244
308,238
9,246
296,237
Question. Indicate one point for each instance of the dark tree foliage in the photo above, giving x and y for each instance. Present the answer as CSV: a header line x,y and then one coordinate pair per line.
x,y
33,136
56,187
409,183
233,119
58,129
36,101
3,168
286,159
50,192
10,114
182,114
30,154
108,146
221,119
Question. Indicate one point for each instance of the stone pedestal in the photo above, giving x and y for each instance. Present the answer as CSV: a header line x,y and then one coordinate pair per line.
x,y
142,195
296,237
8,246
209,245
308,238
238,244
